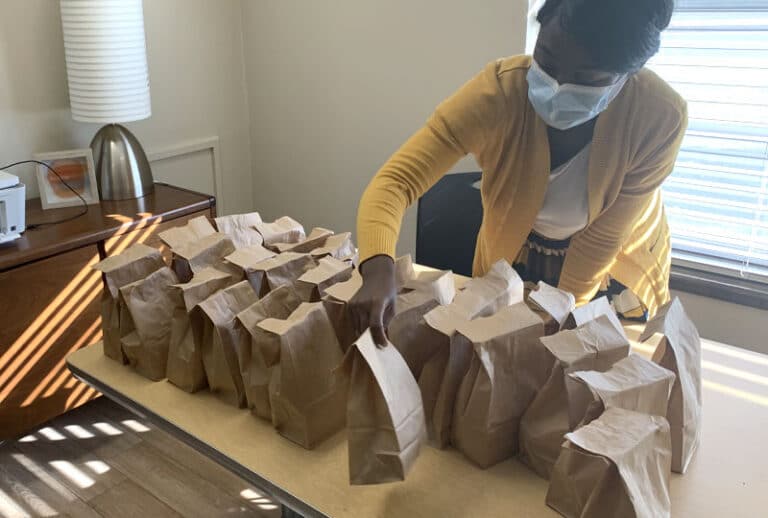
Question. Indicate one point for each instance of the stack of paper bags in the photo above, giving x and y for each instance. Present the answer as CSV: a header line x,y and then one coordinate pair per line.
x,y
197,246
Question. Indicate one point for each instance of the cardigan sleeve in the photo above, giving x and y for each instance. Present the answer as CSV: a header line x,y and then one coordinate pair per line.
x,y
593,251
458,127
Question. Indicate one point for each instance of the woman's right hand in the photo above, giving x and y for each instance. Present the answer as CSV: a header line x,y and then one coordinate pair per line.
x,y
373,306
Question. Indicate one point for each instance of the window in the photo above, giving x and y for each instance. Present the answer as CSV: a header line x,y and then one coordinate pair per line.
x,y
715,54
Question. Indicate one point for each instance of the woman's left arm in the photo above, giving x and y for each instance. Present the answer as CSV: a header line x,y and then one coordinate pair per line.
x,y
592,253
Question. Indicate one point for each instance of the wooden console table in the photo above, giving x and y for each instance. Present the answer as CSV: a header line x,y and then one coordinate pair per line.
x,y
50,295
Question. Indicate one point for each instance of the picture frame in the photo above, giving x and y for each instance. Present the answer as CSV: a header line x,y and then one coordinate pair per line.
x,y
76,168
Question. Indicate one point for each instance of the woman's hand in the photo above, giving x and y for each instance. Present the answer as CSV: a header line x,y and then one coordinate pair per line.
x,y
373,306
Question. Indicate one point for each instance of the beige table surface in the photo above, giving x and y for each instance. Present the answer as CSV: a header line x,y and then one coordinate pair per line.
x,y
728,477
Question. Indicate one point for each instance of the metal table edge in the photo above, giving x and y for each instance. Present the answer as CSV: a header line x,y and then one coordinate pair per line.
x,y
284,497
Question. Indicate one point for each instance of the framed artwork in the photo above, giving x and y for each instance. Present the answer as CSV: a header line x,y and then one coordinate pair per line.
x,y
75,173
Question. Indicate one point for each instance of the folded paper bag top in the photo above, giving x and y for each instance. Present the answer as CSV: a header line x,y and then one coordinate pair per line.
x,y
338,246
220,337
632,383
312,284
185,361
195,229
336,302
440,284
481,296
282,269
637,448
556,305
509,366
680,352
257,374
404,270
449,358
207,251
385,418
596,345
241,228
307,404
282,230
248,257
591,311
317,238
150,303
133,264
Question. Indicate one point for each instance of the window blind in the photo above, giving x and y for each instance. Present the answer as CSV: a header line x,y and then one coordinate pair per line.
x,y
715,54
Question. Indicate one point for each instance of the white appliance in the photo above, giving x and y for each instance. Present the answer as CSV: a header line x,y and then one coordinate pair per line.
x,y
12,207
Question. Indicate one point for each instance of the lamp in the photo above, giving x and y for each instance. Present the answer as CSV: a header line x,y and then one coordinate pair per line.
x,y
108,82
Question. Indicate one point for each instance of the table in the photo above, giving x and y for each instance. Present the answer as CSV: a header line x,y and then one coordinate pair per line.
x,y
728,476
49,295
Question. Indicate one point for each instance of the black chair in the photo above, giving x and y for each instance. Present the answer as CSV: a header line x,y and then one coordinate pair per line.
x,y
448,220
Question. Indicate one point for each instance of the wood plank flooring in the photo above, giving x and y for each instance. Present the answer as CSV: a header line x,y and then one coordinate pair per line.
x,y
101,461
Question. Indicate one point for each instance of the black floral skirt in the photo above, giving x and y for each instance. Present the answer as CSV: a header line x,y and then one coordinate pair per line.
x,y
542,259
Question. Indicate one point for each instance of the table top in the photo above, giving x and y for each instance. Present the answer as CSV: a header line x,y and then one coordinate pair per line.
x,y
728,476
103,220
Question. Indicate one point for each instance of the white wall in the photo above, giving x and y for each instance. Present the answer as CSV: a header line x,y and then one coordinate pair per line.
x,y
196,61
336,87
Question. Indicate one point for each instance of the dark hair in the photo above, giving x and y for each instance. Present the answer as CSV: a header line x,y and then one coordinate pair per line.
x,y
620,35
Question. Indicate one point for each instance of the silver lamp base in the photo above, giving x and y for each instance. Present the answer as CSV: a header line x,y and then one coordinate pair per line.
x,y
122,168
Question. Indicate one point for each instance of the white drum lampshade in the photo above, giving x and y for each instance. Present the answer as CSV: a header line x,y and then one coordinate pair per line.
x,y
108,78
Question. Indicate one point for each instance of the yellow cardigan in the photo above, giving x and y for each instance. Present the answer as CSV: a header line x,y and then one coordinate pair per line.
x,y
634,148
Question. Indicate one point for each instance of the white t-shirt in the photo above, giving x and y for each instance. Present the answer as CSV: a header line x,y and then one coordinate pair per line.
x,y
566,204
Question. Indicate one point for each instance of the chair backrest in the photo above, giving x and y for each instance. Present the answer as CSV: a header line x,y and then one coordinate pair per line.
x,y
448,220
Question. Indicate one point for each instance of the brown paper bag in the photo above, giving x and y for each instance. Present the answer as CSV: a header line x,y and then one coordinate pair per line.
x,y
280,303
509,366
338,246
150,304
680,352
312,284
208,251
283,230
195,229
185,361
618,465
591,311
134,264
385,418
408,331
220,338
283,269
596,345
316,239
632,383
442,374
308,406
553,305
247,259
241,229
439,284
335,301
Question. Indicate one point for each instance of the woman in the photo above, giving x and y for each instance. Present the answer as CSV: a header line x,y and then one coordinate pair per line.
x,y
574,144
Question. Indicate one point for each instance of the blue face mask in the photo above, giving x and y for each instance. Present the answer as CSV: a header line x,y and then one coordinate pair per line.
x,y
568,105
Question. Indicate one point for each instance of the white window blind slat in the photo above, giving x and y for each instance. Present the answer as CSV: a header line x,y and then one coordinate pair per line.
x,y
715,54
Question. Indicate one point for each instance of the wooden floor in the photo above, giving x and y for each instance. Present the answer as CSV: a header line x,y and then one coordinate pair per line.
x,y
102,461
